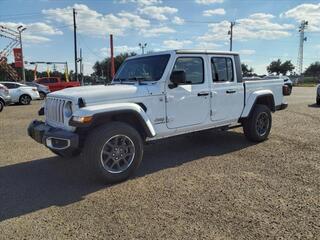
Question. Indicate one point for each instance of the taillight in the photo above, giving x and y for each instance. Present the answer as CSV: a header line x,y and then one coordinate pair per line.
x,y
285,90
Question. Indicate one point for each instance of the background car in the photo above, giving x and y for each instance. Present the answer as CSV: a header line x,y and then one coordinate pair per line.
x,y
42,89
318,95
287,81
4,97
21,93
56,83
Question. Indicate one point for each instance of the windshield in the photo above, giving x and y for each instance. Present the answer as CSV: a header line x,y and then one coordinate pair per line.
x,y
144,68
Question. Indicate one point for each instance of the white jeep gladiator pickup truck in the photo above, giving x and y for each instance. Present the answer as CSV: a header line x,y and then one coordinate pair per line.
x,y
155,96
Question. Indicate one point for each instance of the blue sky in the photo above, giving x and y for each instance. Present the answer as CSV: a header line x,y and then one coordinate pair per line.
x,y
265,29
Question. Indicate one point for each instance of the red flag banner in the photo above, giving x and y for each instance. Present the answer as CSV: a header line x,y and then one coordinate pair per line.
x,y
17,57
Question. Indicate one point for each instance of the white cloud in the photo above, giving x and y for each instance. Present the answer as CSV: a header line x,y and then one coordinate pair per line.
x,y
256,26
141,2
178,20
158,13
35,32
91,22
156,31
35,39
208,46
119,49
207,2
309,12
247,51
174,44
211,12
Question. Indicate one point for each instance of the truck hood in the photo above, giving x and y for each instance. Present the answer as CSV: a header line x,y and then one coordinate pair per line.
x,y
102,93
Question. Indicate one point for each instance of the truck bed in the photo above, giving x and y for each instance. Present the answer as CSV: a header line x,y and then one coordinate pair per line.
x,y
274,85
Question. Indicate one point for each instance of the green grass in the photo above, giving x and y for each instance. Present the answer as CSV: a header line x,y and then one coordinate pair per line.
x,y
306,84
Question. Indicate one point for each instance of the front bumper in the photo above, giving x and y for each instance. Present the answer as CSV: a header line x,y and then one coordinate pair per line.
x,y
53,138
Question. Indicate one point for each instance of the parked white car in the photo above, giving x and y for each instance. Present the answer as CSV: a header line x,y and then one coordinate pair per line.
x,y
5,98
155,96
21,93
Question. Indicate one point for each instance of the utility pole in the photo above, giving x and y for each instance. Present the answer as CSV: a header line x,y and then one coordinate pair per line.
x,y
75,44
142,46
303,39
112,57
230,32
20,30
81,67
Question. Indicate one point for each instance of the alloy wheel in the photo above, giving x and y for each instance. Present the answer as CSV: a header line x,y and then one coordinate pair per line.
x,y
117,154
262,124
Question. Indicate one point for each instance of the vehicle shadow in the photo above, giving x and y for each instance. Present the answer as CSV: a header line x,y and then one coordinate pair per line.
x,y
38,184
314,105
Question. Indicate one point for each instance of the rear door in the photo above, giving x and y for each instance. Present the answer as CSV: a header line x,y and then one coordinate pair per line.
x,y
189,103
13,91
227,100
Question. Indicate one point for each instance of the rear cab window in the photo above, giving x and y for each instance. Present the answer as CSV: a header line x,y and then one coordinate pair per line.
x,y
222,69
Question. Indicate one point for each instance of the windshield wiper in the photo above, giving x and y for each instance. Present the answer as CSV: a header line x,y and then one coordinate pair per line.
x,y
138,79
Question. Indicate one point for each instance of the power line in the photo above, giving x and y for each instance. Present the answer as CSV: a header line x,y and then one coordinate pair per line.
x,y
88,48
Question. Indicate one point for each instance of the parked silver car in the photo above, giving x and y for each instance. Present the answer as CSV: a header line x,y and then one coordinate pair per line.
x,y
42,89
5,98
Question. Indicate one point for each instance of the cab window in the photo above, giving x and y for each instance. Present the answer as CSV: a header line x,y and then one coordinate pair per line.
x,y
193,67
222,69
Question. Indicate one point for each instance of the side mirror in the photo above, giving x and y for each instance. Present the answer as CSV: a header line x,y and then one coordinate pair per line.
x,y
176,78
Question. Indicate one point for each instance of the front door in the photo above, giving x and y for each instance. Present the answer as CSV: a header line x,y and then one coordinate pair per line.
x,y
189,103
227,93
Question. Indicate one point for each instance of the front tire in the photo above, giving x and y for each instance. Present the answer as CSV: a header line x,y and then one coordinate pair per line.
x,y
257,127
318,100
113,151
42,95
24,99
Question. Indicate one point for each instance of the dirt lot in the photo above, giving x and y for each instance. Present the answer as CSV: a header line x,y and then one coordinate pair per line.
x,y
213,185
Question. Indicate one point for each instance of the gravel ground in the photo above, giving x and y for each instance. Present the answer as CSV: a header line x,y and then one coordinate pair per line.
x,y
212,185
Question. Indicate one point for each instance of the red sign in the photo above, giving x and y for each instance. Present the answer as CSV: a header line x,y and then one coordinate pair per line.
x,y
17,57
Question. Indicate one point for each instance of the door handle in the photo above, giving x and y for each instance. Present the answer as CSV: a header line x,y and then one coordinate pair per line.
x,y
230,91
200,94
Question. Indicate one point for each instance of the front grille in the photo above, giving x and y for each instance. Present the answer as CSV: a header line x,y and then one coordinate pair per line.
x,y
54,110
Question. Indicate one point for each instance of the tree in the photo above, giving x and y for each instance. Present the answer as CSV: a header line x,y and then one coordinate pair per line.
x,y
280,68
313,70
246,71
103,68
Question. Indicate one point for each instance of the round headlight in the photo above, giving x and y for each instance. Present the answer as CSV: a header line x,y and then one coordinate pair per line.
x,y
67,109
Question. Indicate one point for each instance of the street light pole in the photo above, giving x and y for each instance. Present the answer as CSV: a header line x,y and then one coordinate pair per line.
x,y
20,30
142,46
